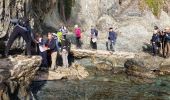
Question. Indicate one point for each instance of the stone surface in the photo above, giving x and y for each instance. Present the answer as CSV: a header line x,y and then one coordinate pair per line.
x,y
75,72
16,74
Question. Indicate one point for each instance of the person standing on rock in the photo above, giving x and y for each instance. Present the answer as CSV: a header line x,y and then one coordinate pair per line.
x,y
65,49
160,36
77,32
64,31
111,40
93,35
51,43
22,28
167,42
154,42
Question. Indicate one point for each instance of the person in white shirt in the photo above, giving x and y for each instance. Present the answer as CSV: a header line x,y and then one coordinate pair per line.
x,y
42,51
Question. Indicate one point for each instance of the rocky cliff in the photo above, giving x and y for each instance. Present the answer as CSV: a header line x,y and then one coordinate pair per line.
x,y
132,19
16,74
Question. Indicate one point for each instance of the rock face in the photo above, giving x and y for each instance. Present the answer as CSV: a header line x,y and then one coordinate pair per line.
x,y
130,18
16,74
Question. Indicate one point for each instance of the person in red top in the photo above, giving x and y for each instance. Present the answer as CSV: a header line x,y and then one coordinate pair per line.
x,y
77,32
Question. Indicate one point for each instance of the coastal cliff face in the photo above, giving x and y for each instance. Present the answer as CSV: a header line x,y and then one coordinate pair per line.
x,y
16,74
133,20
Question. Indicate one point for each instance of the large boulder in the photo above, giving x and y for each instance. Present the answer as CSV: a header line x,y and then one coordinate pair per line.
x,y
16,74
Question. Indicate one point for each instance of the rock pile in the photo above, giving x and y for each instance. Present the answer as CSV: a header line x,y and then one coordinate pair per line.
x,y
16,74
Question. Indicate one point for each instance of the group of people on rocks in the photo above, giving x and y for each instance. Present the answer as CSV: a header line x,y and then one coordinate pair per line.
x,y
161,42
56,43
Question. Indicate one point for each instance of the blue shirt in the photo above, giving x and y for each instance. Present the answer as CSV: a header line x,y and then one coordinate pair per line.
x,y
112,36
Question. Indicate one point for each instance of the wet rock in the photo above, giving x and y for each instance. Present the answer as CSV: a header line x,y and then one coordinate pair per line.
x,y
165,67
105,66
75,72
136,67
16,74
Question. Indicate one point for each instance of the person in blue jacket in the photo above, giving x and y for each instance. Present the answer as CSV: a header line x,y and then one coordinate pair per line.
x,y
52,47
112,36
154,42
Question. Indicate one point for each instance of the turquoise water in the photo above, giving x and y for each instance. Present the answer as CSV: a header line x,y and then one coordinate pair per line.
x,y
102,85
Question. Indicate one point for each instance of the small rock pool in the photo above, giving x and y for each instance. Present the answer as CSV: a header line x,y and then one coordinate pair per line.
x,y
102,85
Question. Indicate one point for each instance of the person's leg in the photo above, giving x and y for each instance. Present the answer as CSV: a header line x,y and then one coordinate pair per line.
x,y
63,58
96,45
154,49
66,59
77,42
111,45
12,37
91,43
168,49
53,60
165,50
27,39
45,59
107,45
160,49
42,63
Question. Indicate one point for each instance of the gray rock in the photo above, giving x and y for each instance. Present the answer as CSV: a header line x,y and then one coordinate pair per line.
x,y
16,74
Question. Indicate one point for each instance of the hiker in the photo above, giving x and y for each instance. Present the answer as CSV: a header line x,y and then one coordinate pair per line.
x,y
22,28
167,42
56,40
64,31
65,49
154,42
93,35
77,32
111,40
43,53
51,43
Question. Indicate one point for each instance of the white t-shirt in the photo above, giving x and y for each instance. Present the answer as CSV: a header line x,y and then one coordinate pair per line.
x,y
41,47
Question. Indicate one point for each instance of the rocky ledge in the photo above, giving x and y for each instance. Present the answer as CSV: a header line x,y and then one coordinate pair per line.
x,y
75,72
16,74
147,68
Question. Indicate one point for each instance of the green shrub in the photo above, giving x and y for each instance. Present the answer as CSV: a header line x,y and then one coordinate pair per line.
x,y
155,6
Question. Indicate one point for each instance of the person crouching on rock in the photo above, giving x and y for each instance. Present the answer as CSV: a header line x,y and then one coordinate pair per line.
x,y
51,43
154,42
65,48
42,51
111,40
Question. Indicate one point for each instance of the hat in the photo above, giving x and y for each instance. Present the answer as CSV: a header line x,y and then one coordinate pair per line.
x,y
76,26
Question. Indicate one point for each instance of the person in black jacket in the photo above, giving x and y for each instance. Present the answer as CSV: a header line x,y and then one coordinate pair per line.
x,y
94,36
154,42
51,46
65,49
112,36
22,28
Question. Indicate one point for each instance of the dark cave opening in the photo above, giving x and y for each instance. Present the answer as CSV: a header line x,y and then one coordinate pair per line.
x,y
64,9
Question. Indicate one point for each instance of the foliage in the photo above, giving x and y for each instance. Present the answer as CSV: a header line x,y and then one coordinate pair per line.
x,y
155,6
